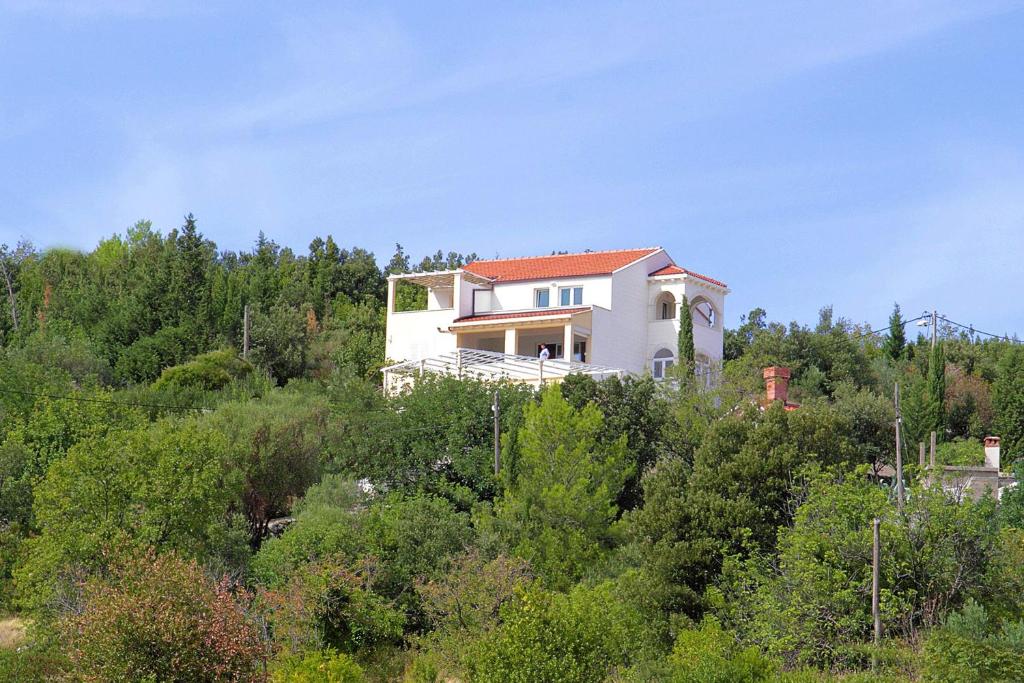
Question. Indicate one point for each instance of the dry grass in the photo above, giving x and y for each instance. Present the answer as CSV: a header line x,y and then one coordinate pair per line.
x,y
12,632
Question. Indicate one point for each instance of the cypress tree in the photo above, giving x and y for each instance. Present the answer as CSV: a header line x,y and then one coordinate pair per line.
x,y
686,352
937,388
897,339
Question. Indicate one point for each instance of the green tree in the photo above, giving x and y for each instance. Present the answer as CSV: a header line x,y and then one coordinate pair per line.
x,y
687,354
937,389
897,339
167,486
557,512
1008,401
582,636
280,341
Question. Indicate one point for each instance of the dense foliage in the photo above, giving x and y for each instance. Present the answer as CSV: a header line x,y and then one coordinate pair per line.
x,y
172,510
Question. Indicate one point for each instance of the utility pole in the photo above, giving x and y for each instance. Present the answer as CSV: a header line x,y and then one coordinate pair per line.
x,y
876,614
931,454
935,325
245,332
496,409
900,492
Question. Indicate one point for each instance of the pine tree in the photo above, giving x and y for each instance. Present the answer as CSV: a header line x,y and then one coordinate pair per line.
x,y
686,352
897,339
937,389
1008,400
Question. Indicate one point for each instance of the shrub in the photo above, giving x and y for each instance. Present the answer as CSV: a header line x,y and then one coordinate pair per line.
x,y
161,617
331,604
317,666
969,648
209,371
711,655
546,636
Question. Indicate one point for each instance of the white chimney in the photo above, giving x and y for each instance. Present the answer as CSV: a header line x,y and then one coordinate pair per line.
x,y
992,451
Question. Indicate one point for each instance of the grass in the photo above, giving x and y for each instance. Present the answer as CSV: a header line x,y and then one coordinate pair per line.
x,y
12,632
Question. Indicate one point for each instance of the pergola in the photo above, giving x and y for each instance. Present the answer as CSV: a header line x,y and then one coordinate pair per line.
x,y
492,366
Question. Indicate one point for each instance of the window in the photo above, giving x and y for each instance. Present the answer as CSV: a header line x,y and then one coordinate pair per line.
x,y
541,298
703,313
570,296
663,360
665,306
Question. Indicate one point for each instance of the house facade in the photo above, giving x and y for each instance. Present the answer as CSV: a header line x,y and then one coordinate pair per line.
x,y
617,309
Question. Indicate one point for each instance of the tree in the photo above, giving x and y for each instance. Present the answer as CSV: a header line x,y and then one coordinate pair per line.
x,y
280,341
1008,401
897,339
165,486
937,389
579,636
811,603
161,618
558,510
277,446
687,355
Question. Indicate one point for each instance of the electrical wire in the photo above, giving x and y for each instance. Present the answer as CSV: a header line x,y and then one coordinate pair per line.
x,y
88,399
974,330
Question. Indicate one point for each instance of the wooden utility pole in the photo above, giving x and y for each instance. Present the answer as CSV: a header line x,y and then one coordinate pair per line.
x,y
245,332
935,325
876,613
900,492
496,409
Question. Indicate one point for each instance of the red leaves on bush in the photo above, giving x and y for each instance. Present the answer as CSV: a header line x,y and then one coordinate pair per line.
x,y
162,617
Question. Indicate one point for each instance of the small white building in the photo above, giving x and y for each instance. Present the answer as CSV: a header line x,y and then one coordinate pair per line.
x,y
613,310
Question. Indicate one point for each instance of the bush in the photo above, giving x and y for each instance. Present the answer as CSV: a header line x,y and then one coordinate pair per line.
x,y
330,603
318,666
969,648
144,359
711,655
546,636
209,372
162,618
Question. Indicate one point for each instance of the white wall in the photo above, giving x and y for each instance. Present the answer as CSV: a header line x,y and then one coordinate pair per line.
x,y
664,333
518,296
412,335
625,344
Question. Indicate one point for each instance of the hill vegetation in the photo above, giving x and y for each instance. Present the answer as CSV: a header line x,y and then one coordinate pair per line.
x,y
170,511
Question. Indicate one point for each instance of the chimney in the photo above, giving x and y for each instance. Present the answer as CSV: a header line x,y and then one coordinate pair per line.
x,y
992,451
776,381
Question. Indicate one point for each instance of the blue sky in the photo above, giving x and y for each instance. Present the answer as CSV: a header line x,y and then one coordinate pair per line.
x,y
850,154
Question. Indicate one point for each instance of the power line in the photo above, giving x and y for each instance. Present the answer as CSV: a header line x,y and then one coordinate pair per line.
x,y
870,332
88,399
974,330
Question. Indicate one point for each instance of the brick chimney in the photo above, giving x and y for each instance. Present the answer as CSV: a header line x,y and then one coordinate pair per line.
x,y
776,381
992,451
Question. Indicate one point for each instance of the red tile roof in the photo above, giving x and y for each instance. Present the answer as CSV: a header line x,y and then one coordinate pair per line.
x,y
557,265
676,270
520,314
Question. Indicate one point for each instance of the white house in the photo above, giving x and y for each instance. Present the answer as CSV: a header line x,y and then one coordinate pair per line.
x,y
616,311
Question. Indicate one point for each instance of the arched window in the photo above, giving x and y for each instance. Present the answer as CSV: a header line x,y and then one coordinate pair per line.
x,y
704,313
663,360
665,306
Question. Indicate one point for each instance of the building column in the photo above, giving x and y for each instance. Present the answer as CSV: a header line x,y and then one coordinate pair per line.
x,y
567,342
511,341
